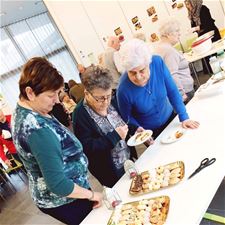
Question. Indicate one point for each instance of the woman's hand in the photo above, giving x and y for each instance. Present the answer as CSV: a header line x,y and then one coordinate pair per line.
x,y
8,163
97,199
194,29
190,124
184,97
122,131
150,141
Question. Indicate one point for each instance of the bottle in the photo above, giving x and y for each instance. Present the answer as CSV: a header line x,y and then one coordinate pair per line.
x,y
110,197
130,169
215,65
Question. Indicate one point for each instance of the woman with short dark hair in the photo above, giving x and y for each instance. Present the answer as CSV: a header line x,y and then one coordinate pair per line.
x,y
100,128
53,157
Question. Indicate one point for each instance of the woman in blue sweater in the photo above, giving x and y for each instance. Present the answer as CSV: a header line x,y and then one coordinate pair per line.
x,y
147,94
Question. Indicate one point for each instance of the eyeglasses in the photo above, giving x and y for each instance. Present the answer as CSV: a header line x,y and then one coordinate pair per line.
x,y
101,99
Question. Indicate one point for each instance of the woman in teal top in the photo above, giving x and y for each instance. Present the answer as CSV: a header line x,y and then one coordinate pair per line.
x,y
52,155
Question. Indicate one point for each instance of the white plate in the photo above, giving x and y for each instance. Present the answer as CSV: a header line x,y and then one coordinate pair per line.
x,y
133,142
170,138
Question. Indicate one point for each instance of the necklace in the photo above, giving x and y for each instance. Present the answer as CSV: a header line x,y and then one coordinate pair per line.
x,y
148,89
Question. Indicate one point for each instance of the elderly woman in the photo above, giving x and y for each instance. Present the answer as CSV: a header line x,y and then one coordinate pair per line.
x,y
53,157
147,93
175,61
100,128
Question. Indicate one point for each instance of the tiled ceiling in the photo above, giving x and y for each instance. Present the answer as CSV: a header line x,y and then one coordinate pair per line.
x,y
12,11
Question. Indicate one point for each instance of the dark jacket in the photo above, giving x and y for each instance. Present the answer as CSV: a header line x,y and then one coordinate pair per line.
x,y
207,24
60,114
97,146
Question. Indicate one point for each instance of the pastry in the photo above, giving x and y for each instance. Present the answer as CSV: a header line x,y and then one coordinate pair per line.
x,y
178,134
142,136
174,180
136,185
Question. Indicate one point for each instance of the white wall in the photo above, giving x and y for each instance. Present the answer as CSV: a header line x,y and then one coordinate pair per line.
x,y
132,9
76,28
106,16
84,24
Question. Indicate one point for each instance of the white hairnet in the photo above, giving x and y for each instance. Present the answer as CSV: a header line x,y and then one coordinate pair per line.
x,y
135,53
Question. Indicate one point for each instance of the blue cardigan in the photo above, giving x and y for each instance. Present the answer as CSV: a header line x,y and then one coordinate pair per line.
x,y
152,105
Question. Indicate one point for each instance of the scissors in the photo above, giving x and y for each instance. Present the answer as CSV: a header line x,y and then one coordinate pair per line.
x,y
204,163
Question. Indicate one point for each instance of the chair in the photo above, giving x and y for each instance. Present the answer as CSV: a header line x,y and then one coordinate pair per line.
x,y
4,180
16,166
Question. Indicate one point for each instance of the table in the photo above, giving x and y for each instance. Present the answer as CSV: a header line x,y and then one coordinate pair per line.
x,y
191,57
190,198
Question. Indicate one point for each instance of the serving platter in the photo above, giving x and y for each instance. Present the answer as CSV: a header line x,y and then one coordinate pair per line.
x,y
146,211
158,178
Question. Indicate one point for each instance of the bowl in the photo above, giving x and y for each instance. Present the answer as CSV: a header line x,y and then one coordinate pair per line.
x,y
201,46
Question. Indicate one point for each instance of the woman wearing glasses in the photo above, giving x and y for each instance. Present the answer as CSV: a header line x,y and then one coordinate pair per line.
x,y
100,128
147,94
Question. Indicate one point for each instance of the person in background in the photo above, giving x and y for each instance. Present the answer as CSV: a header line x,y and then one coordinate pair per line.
x,y
109,61
66,87
100,128
201,19
52,155
61,114
140,36
68,103
147,93
6,139
202,22
76,90
81,69
178,66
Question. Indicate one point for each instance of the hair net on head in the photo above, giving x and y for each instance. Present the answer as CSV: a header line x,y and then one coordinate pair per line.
x,y
135,53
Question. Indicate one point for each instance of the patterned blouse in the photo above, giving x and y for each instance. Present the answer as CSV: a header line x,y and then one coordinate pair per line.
x,y
52,156
120,153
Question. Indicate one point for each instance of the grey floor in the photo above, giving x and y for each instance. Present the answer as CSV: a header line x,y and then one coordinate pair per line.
x,y
19,208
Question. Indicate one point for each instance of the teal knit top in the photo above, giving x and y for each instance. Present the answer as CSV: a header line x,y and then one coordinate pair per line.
x,y
52,156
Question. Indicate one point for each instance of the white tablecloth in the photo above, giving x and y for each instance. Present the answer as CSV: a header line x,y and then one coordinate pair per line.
x,y
190,198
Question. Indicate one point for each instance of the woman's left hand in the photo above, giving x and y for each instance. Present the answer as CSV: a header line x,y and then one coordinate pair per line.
x,y
190,124
150,141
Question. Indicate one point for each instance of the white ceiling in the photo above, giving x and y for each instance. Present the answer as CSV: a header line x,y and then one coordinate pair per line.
x,y
17,10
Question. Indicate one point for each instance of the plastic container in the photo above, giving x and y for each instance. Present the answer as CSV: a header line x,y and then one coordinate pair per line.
x,y
130,169
201,46
215,65
111,198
